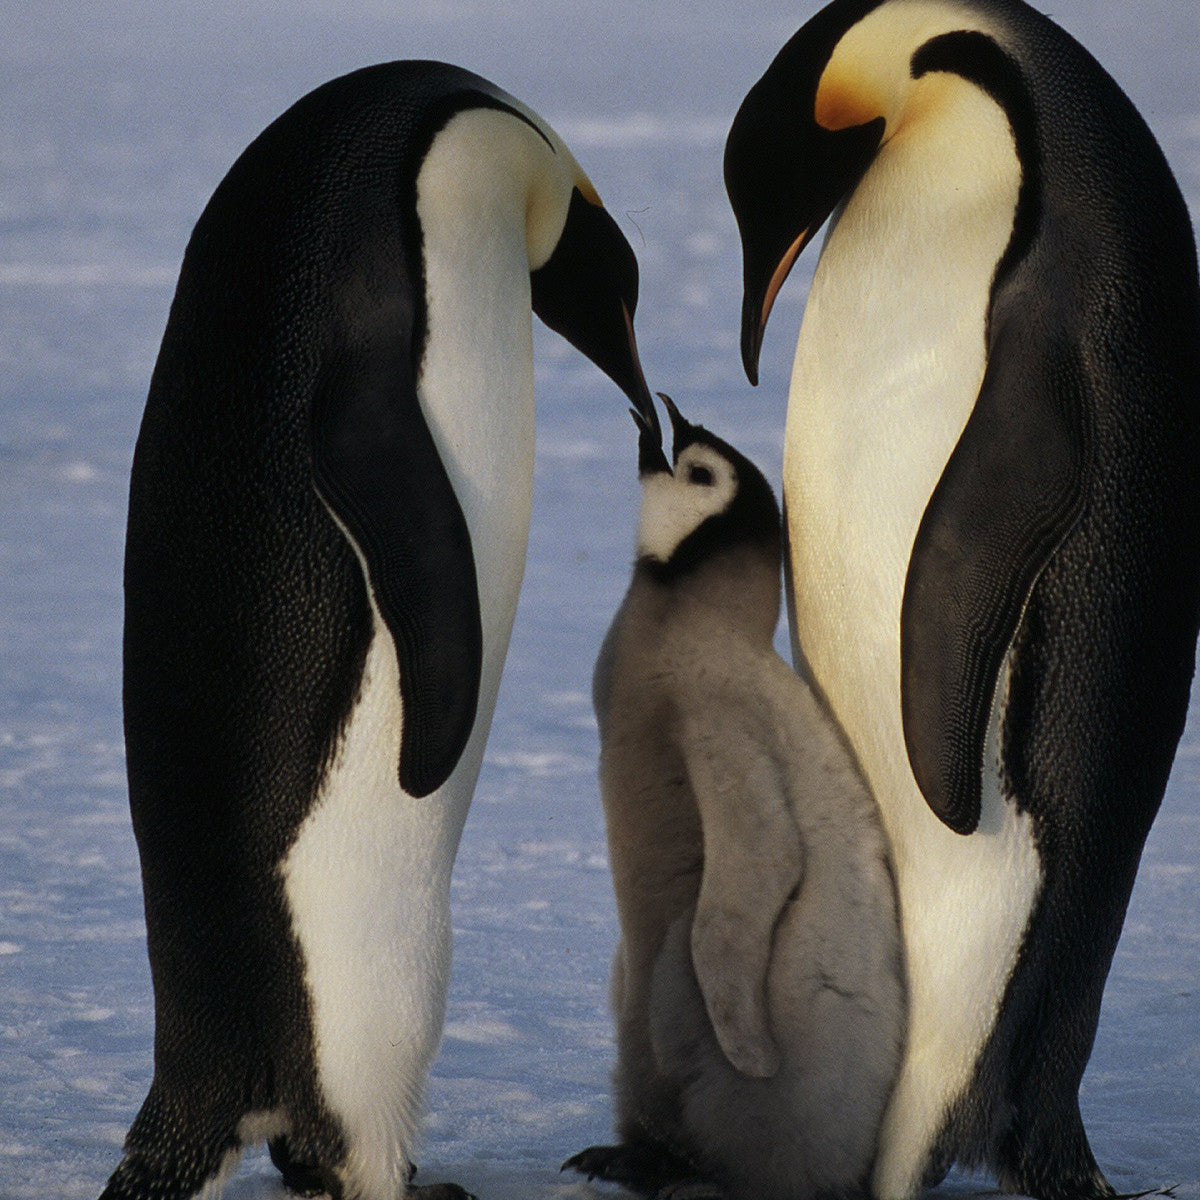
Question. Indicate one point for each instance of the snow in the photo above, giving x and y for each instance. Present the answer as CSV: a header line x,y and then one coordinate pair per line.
x,y
117,118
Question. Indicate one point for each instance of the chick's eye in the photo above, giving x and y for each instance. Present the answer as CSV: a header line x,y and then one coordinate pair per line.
x,y
701,476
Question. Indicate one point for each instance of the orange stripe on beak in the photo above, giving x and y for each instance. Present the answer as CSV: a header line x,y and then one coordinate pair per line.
x,y
781,273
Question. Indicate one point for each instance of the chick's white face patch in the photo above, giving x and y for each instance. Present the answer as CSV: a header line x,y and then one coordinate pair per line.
x,y
675,505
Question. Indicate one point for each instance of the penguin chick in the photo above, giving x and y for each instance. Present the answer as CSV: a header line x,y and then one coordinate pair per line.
x,y
758,987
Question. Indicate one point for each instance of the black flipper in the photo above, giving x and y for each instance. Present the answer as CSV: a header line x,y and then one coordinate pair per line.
x,y
1013,487
378,469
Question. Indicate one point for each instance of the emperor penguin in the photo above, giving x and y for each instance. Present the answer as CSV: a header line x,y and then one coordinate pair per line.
x,y
328,515
758,987
992,487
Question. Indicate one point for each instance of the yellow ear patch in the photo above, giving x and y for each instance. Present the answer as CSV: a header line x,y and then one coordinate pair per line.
x,y
869,72
841,105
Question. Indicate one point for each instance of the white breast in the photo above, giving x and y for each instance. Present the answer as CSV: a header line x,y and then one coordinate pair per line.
x,y
368,877
888,366
477,391
367,881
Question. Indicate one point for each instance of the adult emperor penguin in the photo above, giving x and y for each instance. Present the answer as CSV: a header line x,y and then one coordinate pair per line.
x,y
328,517
758,987
992,486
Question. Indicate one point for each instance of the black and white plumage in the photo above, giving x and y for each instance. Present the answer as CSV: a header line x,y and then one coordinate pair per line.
x,y
328,516
992,483
758,987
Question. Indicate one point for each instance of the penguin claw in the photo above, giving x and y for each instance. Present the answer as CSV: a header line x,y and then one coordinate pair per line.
x,y
641,1168
691,1189
590,1162
434,1191
439,1191
304,1179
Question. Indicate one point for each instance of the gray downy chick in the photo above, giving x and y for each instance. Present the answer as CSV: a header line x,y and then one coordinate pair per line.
x,y
758,986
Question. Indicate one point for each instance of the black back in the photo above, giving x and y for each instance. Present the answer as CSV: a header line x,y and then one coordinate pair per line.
x,y
1077,479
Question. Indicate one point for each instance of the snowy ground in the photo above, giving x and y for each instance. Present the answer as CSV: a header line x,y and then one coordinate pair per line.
x,y
117,118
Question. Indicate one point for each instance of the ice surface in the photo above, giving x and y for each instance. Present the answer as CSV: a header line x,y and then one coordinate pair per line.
x,y
117,118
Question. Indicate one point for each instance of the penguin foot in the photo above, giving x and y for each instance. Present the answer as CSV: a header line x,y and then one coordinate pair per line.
x,y
691,1189
301,1178
1065,1172
435,1191
936,1170
439,1191
640,1166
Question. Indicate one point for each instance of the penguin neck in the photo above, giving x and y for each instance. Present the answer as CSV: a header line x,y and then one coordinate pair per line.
x,y
475,381
737,588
